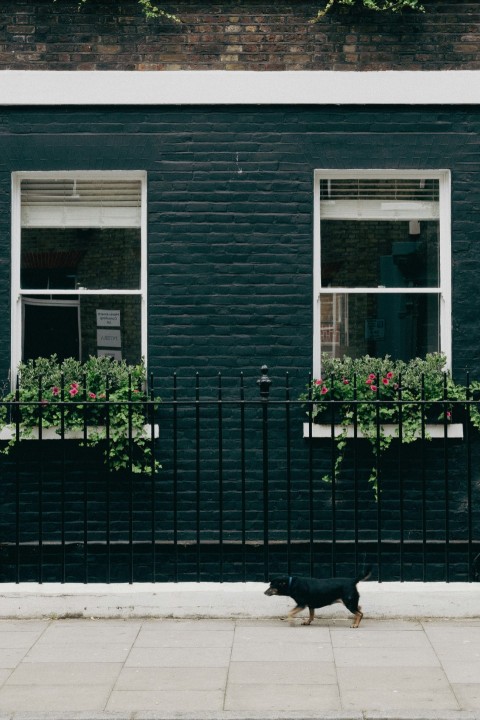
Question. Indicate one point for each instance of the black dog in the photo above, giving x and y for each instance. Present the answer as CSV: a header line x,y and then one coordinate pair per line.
x,y
313,593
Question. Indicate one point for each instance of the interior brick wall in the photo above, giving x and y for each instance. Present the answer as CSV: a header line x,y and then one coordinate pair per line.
x,y
250,34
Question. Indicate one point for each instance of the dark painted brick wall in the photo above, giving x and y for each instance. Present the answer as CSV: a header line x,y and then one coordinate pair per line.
x,y
251,34
230,212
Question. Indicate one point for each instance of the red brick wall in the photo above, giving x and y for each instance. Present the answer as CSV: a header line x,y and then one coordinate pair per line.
x,y
249,34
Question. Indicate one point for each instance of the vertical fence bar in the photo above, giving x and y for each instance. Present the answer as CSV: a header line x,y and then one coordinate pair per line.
x,y
243,475
220,473
16,411
130,481
85,487
356,531
310,474
469,480
288,459
63,479
175,477
446,482
264,384
333,546
107,482
153,475
424,483
377,480
40,483
198,470
401,482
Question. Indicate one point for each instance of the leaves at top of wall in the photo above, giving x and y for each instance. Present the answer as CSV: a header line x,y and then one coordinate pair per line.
x,y
150,10
389,6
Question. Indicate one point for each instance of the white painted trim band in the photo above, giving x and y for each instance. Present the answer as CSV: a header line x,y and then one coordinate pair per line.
x,y
223,87
228,600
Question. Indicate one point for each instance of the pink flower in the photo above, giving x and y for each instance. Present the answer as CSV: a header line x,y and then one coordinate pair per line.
x,y
389,375
385,381
369,381
345,381
372,376
373,388
324,390
319,381
92,395
74,385
448,415
73,391
55,390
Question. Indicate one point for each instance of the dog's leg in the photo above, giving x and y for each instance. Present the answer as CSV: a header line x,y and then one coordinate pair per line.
x,y
311,616
358,618
352,605
294,612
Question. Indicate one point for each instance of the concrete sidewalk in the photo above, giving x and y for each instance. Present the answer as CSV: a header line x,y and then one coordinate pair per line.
x,y
224,669
224,652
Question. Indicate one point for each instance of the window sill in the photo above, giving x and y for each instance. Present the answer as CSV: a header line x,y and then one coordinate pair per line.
x,y
435,431
7,433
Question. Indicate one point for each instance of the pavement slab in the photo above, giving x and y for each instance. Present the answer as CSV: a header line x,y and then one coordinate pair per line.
x,y
244,669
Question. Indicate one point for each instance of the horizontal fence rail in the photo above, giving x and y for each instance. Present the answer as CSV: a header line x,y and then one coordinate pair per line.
x,y
236,479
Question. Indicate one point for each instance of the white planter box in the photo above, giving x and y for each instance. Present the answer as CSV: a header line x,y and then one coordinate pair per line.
x,y
432,430
8,433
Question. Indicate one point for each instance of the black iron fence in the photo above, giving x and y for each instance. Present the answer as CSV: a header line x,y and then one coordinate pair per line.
x,y
250,485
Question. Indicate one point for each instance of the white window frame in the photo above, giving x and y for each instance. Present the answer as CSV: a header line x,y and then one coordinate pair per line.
x,y
17,293
444,288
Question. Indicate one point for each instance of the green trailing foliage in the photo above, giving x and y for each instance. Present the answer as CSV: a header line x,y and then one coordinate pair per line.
x,y
372,392
153,11
105,399
149,9
388,6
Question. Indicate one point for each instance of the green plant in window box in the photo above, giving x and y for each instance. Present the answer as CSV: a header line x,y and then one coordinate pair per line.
x,y
375,392
106,400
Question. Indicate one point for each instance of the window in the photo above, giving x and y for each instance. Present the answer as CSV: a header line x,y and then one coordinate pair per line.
x,y
382,263
78,265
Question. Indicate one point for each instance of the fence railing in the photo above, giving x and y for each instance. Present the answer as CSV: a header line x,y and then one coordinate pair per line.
x,y
249,486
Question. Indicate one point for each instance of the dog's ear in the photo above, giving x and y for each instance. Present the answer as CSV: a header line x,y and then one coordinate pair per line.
x,y
280,583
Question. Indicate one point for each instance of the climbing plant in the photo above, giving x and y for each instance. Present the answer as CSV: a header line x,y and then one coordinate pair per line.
x,y
392,6
150,10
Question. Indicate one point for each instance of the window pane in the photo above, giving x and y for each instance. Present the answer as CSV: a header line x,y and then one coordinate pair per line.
x,y
68,258
400,325
83,326
379,253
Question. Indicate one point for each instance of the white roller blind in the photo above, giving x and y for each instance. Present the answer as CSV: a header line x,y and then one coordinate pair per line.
x,y
379,199
81,203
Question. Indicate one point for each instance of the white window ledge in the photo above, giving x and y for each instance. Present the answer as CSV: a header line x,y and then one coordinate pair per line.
x,y
7,433
432,430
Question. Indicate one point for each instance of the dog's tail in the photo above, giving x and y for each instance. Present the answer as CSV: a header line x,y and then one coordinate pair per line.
x,y
364,575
